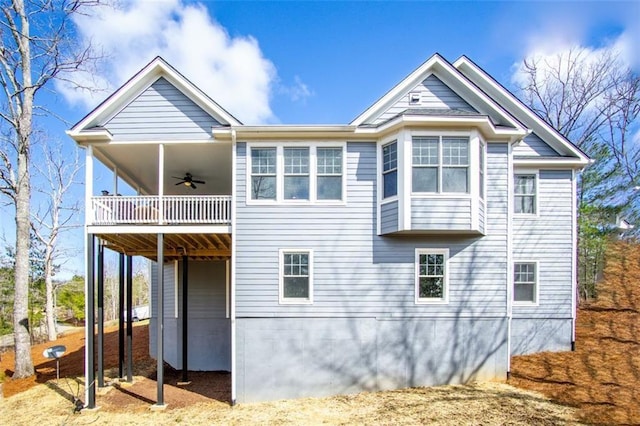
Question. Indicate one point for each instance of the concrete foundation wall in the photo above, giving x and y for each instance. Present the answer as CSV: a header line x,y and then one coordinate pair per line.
x,y
298,357
531,335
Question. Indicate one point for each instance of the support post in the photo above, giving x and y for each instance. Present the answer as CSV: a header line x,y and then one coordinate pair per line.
x,y
90,325
100,315
129,293
185,318
160,328
121,315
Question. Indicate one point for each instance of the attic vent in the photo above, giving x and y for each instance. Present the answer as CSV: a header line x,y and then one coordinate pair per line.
x,y
414,98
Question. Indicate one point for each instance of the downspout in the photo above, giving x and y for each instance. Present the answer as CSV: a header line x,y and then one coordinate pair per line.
x,y
574,257
232,293
509,252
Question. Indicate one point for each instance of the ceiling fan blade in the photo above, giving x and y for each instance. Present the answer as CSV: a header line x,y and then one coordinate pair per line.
x,y
180,183
198,181
193,186
176,177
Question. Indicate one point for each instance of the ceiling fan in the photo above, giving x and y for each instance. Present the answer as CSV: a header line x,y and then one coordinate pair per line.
x,y
188,180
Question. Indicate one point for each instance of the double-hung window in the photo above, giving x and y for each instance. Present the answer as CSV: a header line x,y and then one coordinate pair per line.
x,y
481,156
329,173
431,275
296,284
440,164
263,174
296,173
390,169
525,194
525,276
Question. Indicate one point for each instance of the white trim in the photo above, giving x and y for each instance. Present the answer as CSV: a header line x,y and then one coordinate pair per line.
x,y
232,295
473,179
536,283
160,229
313,176
467,67
428,301
527,172
148,75
291,300
509,269
160,182
548,163
443,70
574,254
404,203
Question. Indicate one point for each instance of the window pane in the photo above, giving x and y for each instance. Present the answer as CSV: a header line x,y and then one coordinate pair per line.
x,y
431,287
263,161
329,187
296,187
425,151
425,179
297,287
296,161
390,183
524,204
389,156
329,161
455,179
525,184
263,187
524,293
455,151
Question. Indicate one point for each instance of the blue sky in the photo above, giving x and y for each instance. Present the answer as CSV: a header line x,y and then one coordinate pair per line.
x,y
324,62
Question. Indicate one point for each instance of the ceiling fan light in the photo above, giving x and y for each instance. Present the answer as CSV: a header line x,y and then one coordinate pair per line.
x,y
187,183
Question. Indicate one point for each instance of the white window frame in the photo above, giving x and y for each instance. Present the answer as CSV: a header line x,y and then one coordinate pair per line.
x,y
250,175
441,166
292,300
298,174
313,175
384,172
536,283
445,293
342,174
536,195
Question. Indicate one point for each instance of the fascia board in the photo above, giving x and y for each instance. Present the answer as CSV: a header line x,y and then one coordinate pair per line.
x,y
396,91
466,66
140,82
561,162
441,68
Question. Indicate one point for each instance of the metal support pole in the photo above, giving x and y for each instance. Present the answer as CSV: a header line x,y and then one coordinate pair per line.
x,y
121,315
129,319
185,317
90,324
160,304
100,315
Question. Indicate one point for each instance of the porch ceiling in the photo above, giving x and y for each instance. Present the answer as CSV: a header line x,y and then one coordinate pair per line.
x,y
138,164
196,246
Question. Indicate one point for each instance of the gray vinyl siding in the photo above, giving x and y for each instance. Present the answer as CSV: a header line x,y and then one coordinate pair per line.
x,y
533,146
356,272
162,112
170,322
547,239
433,94
389,217
209,331
437,214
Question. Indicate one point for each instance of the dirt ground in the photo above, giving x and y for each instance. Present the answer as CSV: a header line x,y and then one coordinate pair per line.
x,y
602,376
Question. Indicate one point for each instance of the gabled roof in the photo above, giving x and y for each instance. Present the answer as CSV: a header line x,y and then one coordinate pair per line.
x,y
498,92
445,71
153,71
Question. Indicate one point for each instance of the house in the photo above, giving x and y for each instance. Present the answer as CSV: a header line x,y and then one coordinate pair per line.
x,y
424,243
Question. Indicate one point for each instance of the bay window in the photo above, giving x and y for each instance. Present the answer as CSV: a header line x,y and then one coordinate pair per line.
x,y
440,164
390,169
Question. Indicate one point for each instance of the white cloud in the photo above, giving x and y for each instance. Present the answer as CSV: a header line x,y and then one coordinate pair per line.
x,y
231,70
298,91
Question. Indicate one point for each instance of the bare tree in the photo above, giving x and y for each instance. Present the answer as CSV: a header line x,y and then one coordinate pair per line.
x,y
593,99
54,215
35,47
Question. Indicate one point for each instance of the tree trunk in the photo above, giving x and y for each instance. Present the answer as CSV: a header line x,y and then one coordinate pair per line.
x,y
50,308
24,362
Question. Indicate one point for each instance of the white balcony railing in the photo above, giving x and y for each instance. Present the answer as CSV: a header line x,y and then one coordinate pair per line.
x,y
171,209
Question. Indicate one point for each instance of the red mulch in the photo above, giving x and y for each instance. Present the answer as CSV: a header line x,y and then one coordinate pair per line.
x,y
602,376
